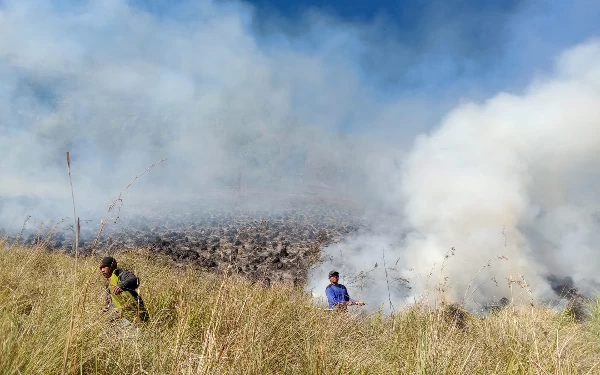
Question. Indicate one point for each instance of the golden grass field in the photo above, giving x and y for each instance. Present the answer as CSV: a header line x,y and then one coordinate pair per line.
x,y
51,322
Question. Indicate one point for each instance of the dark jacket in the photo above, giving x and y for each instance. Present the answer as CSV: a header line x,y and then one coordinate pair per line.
x,y
127,280
129,283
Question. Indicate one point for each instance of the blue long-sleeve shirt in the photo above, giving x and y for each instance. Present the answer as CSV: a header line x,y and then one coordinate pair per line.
x,y
337,294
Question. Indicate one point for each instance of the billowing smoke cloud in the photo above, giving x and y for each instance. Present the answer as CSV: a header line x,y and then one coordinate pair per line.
x,y
502,194
121,89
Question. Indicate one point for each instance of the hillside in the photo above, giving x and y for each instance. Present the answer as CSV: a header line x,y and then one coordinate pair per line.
x,y
266,243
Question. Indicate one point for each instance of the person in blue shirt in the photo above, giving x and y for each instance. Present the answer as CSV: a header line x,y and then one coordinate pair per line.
x,y
337,294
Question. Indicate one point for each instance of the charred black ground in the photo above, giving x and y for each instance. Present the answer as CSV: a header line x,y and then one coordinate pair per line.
x,y
262,244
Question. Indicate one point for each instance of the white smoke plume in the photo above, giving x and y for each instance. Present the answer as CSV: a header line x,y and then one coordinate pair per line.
x,y
502,194
121,88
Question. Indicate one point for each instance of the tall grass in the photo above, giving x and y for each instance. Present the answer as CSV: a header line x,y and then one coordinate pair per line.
x,y
207,324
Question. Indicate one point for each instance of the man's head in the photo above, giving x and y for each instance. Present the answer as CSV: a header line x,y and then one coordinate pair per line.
x,y
334,276
107,266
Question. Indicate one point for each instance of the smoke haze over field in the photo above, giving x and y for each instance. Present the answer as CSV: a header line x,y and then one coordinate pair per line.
x,y
509,184
121,89
491,150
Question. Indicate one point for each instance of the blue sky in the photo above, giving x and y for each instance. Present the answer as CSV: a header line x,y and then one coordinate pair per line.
x,y
463,39
439,49
435,52
445,48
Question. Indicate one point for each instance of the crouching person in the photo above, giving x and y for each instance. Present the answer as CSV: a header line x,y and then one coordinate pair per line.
x,y
121,293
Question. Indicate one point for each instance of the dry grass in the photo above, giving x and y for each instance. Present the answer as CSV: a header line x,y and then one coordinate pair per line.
x,y
204,324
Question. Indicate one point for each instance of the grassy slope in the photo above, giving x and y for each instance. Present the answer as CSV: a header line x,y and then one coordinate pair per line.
x,y
205,324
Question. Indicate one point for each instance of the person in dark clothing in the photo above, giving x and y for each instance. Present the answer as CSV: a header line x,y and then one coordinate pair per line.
x,y
121,292
337,294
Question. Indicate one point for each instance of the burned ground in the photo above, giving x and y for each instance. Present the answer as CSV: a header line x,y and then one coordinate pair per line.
x,y
264,245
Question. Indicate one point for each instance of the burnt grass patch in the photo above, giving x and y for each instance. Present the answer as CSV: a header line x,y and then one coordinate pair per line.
x,y
263,245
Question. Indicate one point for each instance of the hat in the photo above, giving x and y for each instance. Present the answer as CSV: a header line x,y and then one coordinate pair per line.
x,y
332,273
108,262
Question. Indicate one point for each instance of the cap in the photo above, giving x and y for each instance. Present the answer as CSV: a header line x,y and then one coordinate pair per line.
x,y
333,272
108,262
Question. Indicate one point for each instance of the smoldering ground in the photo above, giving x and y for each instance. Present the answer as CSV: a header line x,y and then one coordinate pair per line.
x,y
294,120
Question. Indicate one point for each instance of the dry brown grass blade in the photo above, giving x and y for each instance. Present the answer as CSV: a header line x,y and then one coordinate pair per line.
x,y
77,229
120,199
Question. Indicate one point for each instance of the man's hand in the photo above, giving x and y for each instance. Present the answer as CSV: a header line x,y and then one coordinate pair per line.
x,y
360,303
117,290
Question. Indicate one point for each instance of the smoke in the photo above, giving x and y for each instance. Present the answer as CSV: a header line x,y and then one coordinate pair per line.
x,y
496,199
121,88
410,128
299,111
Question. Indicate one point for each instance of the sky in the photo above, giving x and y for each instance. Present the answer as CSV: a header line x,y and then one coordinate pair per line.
x,y
452,42
440,47
442,115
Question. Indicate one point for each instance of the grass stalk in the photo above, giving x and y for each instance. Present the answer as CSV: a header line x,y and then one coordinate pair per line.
x,y
117,200
74,288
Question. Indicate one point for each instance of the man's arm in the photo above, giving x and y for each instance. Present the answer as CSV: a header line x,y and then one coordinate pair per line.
x,y
352,301
347,296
